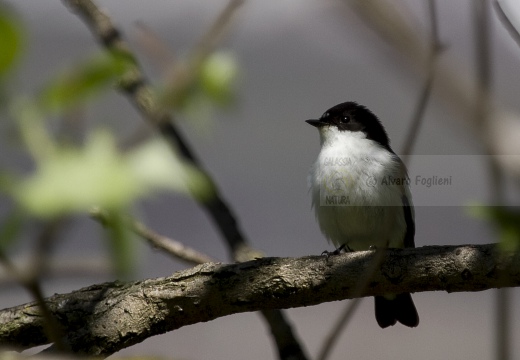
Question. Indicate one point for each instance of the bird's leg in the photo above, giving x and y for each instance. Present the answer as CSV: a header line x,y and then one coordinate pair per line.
x,y
335,252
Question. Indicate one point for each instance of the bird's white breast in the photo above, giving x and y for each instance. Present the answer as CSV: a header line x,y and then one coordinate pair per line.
x,y
357,188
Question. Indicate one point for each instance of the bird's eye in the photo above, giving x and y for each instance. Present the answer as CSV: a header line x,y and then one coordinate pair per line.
x,y
345,119
324,116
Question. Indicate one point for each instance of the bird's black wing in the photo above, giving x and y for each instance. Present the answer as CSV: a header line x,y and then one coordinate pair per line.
x,y
409,236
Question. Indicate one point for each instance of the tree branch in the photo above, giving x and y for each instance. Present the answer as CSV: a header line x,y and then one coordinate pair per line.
x,y
102,319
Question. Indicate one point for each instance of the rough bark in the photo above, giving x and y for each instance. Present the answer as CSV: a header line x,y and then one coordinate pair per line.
x,y
102,319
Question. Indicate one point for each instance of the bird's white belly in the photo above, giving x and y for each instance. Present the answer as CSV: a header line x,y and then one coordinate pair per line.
x,y
360,227
353,203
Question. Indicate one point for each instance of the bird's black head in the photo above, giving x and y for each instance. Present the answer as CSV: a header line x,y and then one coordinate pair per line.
x,y
350,116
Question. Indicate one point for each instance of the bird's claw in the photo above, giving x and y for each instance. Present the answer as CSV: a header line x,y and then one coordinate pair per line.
x,y
335,252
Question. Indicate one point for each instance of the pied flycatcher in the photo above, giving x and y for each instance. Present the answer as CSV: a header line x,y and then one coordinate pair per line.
x,y
361,196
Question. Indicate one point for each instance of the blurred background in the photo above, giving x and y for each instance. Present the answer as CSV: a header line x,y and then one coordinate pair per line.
x,y
296,59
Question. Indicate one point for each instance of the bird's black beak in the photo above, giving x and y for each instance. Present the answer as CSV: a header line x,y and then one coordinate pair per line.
x,y
317,123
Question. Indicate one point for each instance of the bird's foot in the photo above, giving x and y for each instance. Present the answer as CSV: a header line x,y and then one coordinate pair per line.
x,y
335,252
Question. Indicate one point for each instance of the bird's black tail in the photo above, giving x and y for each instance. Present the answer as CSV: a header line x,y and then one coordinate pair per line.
x,y
401,309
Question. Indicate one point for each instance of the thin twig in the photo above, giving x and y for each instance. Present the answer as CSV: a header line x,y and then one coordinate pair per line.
x,y
172,247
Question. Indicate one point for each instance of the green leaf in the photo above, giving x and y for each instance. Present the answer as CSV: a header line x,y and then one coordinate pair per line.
x,y
81,83
10,40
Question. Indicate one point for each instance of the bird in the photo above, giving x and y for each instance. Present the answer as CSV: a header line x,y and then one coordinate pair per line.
x,y
361,195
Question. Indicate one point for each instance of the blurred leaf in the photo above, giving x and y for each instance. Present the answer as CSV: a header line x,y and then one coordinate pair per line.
x,y
217,77
505,219
71,180
197,89
10,40
158,167
10,229
32,128
86,80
